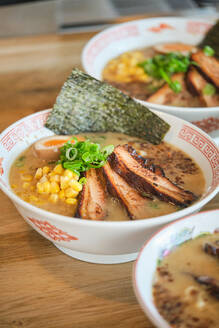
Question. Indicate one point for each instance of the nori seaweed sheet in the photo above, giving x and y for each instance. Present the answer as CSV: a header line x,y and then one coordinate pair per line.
x,y
85,104
212,39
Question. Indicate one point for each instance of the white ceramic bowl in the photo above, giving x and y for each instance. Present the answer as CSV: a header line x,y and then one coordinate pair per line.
x,y
144,33
158,246
95,241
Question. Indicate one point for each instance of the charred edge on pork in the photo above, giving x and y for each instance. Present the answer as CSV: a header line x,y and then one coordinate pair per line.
x,y
133,202
207,65
92,202
211,249
197,82
144,180
211,284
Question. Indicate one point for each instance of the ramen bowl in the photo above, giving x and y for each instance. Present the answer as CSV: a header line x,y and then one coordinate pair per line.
x,y
143,33
157,247
103,241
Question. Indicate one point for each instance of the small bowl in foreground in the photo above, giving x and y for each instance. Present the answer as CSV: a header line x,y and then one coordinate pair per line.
x,y
103,241
138,34
154,249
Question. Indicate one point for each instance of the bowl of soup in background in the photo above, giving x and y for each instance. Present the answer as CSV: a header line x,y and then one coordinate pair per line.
x,y
158,247
103,241
139,34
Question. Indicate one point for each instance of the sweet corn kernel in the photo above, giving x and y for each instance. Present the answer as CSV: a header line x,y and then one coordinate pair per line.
x,y
46,170
26,177
43,179
39,173
26,185
33,198
124,68
55,178
62,194
53,198
64,182
71,201
68,173
47,187
40,188
58,169
13,186
75,176
54,187
75,185
32,188
70,192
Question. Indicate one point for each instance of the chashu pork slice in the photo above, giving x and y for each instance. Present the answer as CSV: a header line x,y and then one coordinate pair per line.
x,y
208,65
165,95
92,203
133,202
198,83
183,48
143,179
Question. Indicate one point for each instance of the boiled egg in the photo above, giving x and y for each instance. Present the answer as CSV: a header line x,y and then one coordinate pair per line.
x,y
49,148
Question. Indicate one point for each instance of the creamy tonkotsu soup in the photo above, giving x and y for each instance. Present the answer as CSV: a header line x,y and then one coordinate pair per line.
x,y
186,287
63,194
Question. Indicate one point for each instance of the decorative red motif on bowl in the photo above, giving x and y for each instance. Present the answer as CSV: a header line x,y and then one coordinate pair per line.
x,y
198,27
51,231
22,130
206,147
160,28
1,167
107,38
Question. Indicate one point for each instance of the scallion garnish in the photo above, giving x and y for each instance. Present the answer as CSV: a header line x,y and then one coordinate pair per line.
x,y
209,89
163,66
208,51
20,161
80,156
82,180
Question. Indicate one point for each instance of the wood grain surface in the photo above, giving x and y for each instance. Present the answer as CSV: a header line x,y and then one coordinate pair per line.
x,y
40,287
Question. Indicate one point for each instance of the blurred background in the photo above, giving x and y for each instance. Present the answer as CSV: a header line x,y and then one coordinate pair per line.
x,y
26,17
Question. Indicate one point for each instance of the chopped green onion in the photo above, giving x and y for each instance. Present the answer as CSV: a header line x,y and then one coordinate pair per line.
x,y
20,161
176,86
71,153
209,89
208,51
154,204
82,180
163,66
83,155
107,150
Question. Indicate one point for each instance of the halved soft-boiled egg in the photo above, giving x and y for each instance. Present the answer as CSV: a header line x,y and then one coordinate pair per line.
x,y
183,48
49,148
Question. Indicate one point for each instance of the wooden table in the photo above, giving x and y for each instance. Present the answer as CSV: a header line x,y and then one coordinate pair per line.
x,y
40,287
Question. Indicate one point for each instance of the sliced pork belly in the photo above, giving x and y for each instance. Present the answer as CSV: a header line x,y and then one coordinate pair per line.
x,y
166,95
197,81
92,204
212,249
183,48
208,65
143,179
133,202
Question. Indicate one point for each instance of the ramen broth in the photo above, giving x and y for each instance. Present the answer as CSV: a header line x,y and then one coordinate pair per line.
x,y
180,299
177,166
